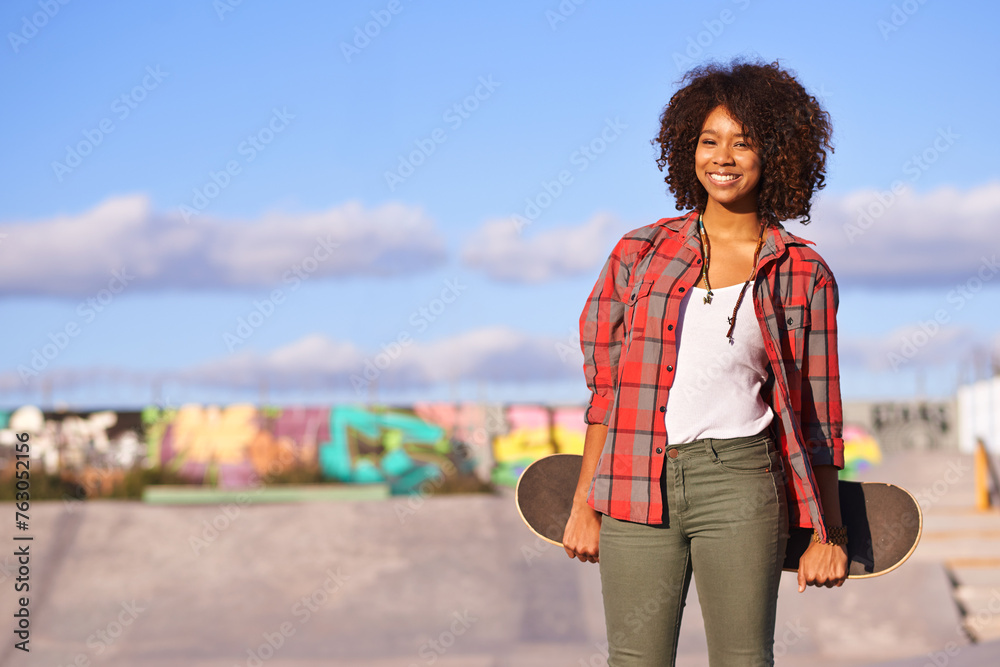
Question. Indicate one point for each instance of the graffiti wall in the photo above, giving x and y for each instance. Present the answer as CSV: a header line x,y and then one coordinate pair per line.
x,y
861,450
234,446
531,432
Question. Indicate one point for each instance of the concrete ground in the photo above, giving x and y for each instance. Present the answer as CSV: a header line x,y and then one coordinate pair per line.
x,y
450,581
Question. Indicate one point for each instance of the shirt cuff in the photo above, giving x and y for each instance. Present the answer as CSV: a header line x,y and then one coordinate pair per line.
x,y
826,452
597,410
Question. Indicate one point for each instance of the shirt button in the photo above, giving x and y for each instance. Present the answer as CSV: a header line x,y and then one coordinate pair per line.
x,y
659,450
680,289
670,327
663,408
790,320
670,368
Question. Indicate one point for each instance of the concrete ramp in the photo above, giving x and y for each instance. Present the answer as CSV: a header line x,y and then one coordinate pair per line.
x,y
454,580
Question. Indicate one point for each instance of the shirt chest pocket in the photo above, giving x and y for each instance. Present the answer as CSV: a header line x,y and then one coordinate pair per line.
x,y
637,307
795,325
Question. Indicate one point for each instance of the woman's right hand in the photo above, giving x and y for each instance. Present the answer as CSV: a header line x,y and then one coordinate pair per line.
x,y
583,532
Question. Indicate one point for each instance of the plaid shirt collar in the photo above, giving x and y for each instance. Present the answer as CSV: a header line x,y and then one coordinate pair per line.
x,y
774,244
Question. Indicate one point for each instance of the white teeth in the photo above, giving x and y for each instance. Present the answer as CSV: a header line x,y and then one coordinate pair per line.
x,y
727,177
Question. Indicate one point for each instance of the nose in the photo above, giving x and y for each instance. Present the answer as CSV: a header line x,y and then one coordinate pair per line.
x,y
723,155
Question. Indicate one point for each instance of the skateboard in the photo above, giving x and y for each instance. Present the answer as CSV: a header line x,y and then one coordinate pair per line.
x,y
884,521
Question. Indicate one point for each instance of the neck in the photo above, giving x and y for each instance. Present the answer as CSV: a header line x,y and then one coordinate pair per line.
x,y
724,224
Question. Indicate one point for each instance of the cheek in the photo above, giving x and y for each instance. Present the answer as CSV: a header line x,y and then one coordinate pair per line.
x,y
753,167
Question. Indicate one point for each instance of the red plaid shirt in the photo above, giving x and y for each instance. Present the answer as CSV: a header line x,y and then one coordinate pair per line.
x,y
629,350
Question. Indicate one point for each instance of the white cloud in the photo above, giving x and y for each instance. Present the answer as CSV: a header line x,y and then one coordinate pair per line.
x,y
495,354
883,239
869,238
928,343
505,253
74,255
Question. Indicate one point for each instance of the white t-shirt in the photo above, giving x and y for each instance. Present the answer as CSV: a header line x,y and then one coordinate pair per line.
x,y
716,388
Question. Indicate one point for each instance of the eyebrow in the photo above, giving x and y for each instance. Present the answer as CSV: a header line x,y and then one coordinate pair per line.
x,y
714,132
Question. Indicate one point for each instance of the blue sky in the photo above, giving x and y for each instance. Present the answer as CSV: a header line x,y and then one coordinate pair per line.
x,y
233,159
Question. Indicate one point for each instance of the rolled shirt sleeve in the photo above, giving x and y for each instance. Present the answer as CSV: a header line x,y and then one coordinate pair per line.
x,y
822,412
602,327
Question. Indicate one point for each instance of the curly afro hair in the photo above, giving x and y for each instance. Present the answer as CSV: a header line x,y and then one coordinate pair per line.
x,y
785,125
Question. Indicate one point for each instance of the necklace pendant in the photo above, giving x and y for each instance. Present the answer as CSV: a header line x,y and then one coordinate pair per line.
x,y
708,297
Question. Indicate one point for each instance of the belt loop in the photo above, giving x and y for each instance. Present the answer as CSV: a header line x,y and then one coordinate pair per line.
x,y
710,450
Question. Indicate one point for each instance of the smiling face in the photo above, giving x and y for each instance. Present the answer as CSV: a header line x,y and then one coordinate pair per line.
x,y
725,164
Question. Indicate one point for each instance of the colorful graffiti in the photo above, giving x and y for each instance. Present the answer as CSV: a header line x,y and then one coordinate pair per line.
x,y
231,447
535,431
234,446
390,446
861,450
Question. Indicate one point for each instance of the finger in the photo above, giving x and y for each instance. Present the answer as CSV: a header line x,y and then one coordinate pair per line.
x,y
802,580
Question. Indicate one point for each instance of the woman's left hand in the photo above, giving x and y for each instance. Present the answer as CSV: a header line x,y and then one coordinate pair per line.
x,y
823,565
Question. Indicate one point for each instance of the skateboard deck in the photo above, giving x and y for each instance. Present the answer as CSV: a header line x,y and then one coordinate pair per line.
x,y
884,521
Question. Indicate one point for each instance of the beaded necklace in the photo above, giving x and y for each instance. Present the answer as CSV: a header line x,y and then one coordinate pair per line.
x,y
706,251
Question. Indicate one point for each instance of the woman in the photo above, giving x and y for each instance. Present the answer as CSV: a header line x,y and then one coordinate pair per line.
x,y
715,420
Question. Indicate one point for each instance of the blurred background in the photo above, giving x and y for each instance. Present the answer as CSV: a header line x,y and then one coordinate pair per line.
x,y
338,251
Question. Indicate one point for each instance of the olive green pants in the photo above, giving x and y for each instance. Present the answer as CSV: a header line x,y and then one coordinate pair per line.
x,y
725,521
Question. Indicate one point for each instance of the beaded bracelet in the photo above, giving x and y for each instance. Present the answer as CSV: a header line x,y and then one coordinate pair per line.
x,y
834,535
